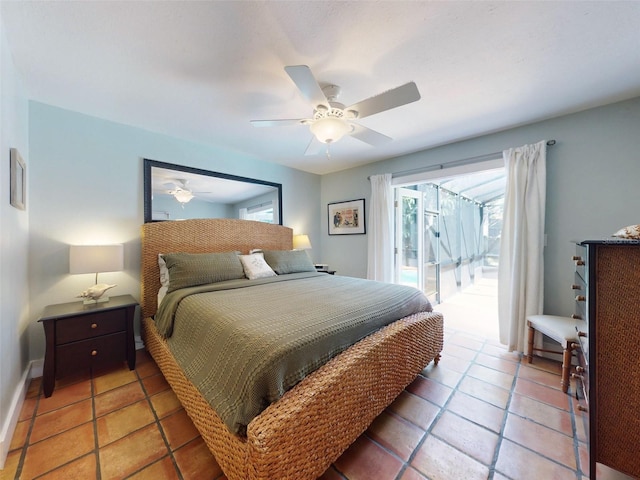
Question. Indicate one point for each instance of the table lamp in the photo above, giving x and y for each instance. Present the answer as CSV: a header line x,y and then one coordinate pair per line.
x,y
96,259
301,242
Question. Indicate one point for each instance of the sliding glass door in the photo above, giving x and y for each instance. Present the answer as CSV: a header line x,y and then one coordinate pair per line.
x,y
417,232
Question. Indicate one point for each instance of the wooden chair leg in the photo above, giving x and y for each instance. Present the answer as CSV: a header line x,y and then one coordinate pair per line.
x,y
566,368
532,332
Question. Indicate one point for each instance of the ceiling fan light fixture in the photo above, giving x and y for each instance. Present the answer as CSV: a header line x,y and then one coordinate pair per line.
x,y
183,196
330,129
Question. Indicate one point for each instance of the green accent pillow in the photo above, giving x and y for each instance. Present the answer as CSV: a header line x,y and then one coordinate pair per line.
x,y
191,269
289,261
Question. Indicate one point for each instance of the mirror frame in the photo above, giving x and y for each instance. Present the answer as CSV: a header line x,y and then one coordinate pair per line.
x,y
148,164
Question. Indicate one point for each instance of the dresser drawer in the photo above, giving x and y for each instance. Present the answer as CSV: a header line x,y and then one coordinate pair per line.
x,y
91,353
579,289
583,365
580,260
90,326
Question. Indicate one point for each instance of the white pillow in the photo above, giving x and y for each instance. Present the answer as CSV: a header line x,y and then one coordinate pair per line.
x,y
255,267
164,271
161,294
164,278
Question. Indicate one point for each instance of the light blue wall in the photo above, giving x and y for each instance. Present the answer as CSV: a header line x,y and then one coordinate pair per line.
x,y
14,225
86,187
593,174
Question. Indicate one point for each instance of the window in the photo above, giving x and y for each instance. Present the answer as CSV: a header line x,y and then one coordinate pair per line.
x,y
260,213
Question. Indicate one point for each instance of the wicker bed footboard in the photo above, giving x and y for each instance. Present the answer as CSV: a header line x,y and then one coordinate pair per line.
x,y
299,436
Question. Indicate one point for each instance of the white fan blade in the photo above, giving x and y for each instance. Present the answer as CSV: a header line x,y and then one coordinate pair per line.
x,y
369,136
307,83
278,123
393,98
315,147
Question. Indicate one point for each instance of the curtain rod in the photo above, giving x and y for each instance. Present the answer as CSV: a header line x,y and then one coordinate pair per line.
x,y
454,163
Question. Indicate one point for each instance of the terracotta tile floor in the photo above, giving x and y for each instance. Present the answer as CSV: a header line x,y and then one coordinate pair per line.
x,y
481,414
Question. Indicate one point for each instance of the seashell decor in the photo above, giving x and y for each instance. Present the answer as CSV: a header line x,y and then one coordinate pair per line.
x,y
95,292
632,231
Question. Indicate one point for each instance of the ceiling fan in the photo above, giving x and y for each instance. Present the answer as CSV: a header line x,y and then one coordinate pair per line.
x,y
180,190
331,120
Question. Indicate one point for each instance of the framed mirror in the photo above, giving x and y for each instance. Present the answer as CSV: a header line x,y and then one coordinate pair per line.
x,y
176,192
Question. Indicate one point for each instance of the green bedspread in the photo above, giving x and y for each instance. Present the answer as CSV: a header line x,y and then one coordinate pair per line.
x,y
243,343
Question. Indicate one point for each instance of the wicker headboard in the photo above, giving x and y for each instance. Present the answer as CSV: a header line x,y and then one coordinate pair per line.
x,y
201,236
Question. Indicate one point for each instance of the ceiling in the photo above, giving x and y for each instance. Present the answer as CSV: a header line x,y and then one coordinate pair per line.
x,y
201,70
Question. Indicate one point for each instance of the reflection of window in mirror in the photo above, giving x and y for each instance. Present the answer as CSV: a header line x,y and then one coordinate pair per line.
x,y
260,213
160,215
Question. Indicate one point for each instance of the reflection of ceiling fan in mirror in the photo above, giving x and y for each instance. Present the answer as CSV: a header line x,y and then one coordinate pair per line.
x,y
331,120
180,191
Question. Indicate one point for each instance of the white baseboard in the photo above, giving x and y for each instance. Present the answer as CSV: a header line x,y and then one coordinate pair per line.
x,y
37,369
34,370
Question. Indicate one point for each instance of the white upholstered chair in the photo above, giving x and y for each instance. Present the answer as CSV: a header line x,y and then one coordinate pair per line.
x,y
560,329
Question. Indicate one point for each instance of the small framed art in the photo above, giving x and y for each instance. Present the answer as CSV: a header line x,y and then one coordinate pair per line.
x,y
346,218
18,180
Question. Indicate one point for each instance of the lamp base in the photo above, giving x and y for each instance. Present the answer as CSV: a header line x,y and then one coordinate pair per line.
x,y
90,301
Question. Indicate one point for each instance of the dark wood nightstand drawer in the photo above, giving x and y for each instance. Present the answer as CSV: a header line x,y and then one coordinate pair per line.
x,y
91,353
84,337
89,326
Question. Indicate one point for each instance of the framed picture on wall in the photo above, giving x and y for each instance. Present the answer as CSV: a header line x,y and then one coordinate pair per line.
x,y
346,218
18,180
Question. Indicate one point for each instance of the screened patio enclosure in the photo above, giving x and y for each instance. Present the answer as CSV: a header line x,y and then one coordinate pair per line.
x,y
448,232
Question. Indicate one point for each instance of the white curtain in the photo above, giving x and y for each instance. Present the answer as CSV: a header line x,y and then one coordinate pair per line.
x,y
380,257
521,266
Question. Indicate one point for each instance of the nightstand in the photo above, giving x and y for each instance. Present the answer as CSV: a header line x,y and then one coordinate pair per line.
x,y
85,337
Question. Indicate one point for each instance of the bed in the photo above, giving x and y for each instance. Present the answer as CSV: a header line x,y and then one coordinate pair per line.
x,y
302,433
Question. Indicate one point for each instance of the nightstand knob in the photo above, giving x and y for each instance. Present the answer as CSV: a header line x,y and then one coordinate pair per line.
x,y
94,353
575,316
94,325
581,298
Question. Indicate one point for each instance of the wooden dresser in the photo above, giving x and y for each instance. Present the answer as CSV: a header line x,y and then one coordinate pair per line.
x,y
607,287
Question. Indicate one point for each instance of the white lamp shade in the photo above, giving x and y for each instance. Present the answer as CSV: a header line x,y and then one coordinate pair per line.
x,y
301,242
330,129
183,196
96,258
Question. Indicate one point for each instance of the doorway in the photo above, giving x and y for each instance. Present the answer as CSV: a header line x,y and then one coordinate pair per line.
x,y
447,243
